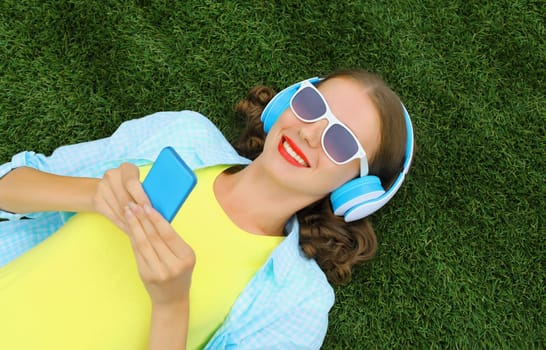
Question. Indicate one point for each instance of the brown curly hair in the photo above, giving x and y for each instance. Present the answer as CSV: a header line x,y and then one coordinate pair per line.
x,y
335,244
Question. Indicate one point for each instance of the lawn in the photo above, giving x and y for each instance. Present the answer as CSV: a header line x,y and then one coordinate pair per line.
x,y
462,255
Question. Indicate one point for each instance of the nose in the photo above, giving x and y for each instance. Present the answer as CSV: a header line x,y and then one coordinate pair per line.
x,y
312,132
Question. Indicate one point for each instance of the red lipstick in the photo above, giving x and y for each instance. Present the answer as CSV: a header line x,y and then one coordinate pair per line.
x,y
287,155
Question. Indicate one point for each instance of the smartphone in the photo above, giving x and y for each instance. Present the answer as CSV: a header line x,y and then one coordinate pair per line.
x,y
168,183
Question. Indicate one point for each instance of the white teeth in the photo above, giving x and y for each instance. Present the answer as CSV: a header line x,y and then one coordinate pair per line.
x,y
293,154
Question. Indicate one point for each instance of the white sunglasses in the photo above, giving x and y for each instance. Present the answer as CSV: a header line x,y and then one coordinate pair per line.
x,y
338,141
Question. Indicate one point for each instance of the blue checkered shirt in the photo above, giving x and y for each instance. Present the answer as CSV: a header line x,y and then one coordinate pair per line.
x,y
284,306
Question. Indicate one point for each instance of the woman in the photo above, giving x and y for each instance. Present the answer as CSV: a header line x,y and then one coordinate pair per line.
x,y
236,241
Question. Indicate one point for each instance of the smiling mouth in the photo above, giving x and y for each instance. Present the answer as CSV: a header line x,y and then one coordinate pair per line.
x,y
292,153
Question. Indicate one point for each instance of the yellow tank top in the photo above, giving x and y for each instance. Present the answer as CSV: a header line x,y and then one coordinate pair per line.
x,y
80,288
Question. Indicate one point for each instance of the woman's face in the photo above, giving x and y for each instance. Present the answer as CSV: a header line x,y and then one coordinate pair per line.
x,y
293,153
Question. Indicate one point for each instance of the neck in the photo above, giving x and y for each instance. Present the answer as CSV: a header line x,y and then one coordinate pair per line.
x,y
255,202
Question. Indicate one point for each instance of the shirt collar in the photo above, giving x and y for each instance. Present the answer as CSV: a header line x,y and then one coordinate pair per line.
x,y
289,254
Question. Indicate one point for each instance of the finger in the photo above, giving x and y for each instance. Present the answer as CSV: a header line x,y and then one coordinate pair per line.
x,y
107,199
116,180
136,191
172,240
168,265
156,238
140,241
112,191
143,268
131,182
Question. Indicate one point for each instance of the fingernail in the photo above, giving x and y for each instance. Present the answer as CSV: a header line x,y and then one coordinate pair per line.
x,y
132,205
147,209
128,211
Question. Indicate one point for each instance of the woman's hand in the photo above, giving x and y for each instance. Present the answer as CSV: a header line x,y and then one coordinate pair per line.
x,y
117,188
165,261
165,264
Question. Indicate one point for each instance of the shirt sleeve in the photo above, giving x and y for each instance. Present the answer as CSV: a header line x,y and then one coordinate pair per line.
x,y
71,160
137,141
279,312
302,327
87,159
80,159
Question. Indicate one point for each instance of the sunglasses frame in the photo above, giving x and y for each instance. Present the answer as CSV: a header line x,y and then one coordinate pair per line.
x,y
332,120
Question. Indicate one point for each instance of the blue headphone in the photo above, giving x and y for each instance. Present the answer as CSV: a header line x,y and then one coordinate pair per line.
x,y
361,196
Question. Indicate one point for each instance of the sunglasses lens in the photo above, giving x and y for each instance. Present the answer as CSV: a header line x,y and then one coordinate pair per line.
x,y
339,143
308,105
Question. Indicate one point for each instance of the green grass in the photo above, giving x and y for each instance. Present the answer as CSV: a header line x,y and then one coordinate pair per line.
x,y
461,262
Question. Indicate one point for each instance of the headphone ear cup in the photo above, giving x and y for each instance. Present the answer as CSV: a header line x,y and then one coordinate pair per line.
x,y
355,193
278,104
